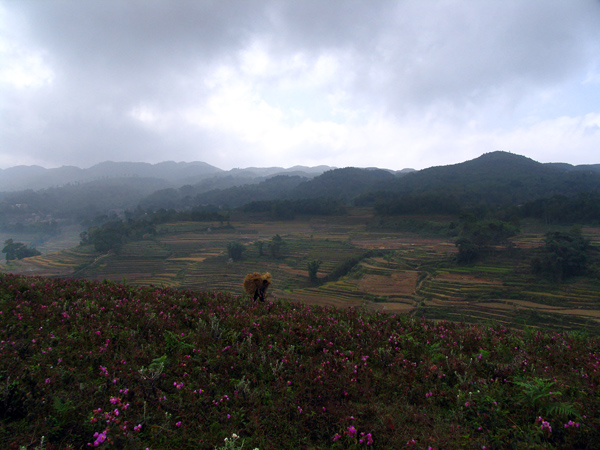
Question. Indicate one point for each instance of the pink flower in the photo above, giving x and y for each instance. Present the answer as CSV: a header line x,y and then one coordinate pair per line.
x,y
100,438
351,431
336,437
368,439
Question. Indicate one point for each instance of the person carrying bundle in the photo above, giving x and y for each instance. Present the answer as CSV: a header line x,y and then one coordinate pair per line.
x,y
256,284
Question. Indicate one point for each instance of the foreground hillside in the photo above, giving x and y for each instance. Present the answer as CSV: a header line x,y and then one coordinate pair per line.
x,y
113,366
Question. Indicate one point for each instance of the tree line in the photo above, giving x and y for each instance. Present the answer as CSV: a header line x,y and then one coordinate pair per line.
x,y
17,250
115,232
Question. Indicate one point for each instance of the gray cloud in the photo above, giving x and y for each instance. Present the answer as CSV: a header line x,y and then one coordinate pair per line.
x,y
410,83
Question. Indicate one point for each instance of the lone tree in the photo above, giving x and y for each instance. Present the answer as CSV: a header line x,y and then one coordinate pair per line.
x,y
276,246
260,245
313,269
235,250
17,250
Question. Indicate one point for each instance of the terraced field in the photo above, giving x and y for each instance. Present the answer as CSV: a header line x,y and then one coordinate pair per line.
x,y
387,270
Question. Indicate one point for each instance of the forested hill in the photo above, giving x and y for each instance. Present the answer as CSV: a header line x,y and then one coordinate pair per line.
x,y
344,184
497,178
339,184
36,177
175,174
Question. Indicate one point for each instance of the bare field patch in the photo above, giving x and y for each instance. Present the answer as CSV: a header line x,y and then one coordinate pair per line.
x,y
400,283
395,307
467,279
189,258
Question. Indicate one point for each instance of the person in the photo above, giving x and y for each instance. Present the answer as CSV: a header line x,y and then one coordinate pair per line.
x,y
261,291
256,284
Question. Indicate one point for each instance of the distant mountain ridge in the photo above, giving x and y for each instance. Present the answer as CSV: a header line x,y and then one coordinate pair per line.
x,y
496,179
177,174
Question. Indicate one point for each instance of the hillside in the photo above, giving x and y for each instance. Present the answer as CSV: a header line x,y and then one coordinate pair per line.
x,y
35,177
174,173
493,179
496,179
105,364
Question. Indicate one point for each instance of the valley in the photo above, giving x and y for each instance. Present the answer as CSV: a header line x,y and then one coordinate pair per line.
x,y
362,264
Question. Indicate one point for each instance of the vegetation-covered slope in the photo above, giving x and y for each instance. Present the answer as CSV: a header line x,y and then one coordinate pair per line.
x,y
493,179
112,366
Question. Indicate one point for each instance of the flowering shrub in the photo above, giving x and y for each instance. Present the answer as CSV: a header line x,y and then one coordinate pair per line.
x,y
105,365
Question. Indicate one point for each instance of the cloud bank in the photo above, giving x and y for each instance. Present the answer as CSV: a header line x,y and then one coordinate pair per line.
x,y
391,84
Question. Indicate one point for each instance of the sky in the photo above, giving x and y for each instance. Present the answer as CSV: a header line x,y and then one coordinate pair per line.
x,y
261,83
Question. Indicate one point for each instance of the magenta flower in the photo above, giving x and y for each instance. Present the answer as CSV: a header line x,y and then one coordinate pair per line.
x,y
366,439
100,438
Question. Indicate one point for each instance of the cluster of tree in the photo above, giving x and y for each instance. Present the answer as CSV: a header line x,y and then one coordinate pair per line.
x,y
17,250
288,209
275,248
564,255
313,269
111,236
235,250
478,238
110,232
197,214
274,188
344,184
391,203
560,209
77,202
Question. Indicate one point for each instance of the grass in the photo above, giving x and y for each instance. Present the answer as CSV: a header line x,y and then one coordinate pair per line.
x,y
85,363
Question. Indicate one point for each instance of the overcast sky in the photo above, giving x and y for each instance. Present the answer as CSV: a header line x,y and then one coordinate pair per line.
x,y
390,84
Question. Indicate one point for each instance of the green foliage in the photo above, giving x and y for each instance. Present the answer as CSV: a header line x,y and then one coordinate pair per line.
x,y
276,246
313,269
154,369
478,237
582,208
409,203
540,396
288,209
18,250
343,184
564,255
13,401
235,250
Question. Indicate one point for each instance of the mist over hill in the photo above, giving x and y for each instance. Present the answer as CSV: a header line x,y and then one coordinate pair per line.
x,y
175,174
493,180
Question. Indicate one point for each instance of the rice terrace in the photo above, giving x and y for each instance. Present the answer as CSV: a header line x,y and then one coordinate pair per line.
x,y
385,269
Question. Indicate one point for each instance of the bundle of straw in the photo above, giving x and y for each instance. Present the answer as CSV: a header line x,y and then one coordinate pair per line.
x,y
255,280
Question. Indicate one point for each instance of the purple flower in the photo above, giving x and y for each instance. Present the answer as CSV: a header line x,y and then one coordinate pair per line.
x,y
100,438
